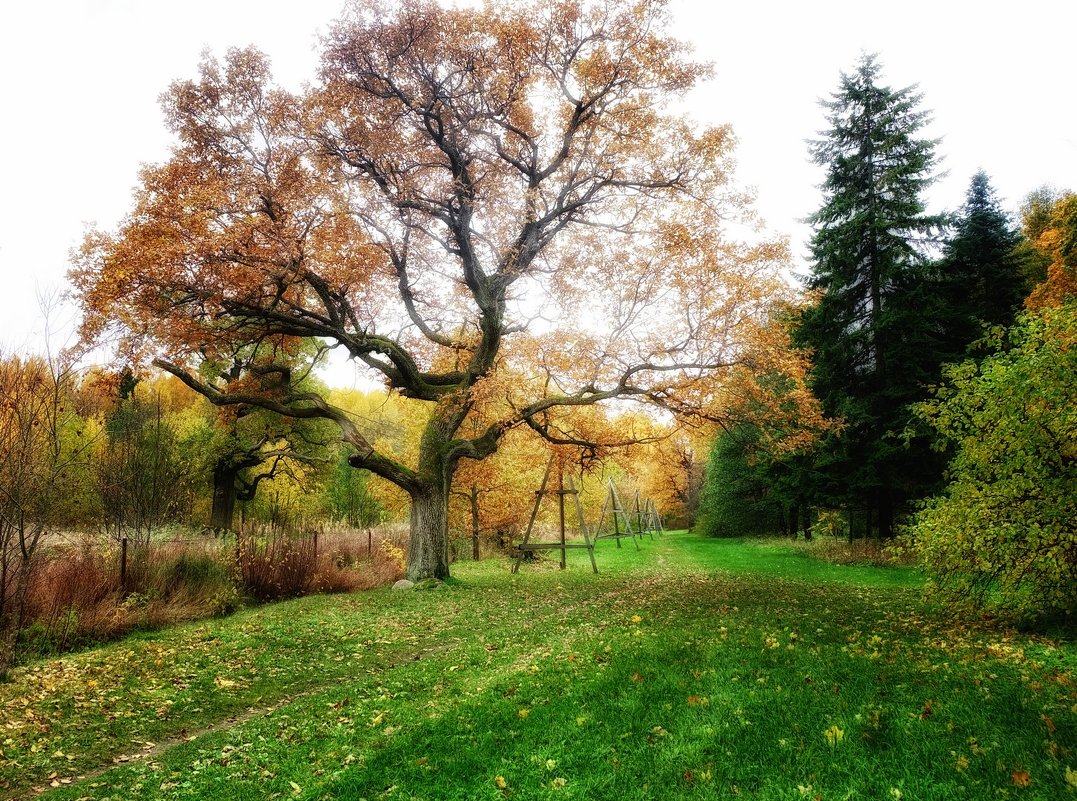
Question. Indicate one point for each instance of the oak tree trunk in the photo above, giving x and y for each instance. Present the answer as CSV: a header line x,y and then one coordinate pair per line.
x,y
474,522
428,545
224,498
428,549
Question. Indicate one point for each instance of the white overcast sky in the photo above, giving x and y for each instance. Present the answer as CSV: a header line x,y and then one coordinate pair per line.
x,y
79,82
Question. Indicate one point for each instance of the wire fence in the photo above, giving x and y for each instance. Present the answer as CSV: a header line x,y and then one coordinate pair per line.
x,y
347,544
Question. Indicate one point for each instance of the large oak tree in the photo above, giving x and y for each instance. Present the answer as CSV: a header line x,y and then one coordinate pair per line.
x,y
494,210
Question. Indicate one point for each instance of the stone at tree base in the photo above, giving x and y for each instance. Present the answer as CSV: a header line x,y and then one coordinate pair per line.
x,y
403,584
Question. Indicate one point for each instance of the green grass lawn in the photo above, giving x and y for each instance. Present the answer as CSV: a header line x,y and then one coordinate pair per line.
x,y
691,669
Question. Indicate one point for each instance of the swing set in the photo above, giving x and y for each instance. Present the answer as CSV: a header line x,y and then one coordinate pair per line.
x,y
645,519
626,523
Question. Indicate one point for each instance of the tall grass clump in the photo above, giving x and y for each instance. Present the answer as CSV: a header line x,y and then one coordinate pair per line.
x,y
276,566
71,600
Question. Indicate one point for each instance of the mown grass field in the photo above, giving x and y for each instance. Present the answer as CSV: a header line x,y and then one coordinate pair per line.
x,y
692,669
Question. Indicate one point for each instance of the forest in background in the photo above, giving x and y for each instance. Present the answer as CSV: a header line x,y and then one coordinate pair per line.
x,y
218,507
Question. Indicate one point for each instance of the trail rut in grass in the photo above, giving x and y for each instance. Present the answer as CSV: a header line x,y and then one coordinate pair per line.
x,y
151,751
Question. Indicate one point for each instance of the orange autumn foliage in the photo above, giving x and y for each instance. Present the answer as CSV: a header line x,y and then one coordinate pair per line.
x,y
1057,242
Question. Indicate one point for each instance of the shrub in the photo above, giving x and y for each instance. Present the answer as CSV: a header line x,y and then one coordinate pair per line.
x,y
345,566
1005,529
276,566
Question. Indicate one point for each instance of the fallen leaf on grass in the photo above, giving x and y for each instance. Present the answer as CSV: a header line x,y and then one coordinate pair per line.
x,y
500,783
1021,778
834,735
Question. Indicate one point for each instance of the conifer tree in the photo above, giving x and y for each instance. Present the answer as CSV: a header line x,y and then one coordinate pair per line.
x,y
981,281
871,332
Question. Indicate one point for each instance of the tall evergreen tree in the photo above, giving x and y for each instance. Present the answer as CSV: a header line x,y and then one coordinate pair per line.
x,y
980,273
871,332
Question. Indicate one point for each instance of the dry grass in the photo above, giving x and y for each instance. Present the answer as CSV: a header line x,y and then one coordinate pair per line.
x,y
72,597
840,551
76,598
352,560
275,567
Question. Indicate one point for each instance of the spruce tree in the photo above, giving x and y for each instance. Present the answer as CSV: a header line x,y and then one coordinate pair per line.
x,y
871,332
980,273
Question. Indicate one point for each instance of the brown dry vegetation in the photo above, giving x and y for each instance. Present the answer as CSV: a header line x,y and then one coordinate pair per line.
x,y
76,598
868,552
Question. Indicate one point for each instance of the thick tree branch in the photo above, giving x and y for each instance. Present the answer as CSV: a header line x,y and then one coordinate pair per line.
x,y
303,405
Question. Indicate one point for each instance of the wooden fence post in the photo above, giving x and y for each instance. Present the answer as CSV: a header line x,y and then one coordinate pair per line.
x,y
561,508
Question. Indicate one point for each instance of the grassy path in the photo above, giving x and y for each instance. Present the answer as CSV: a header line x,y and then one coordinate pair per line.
x,y
692,669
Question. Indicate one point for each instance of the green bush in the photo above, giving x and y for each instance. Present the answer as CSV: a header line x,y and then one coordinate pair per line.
x,y
225,601
198,571
1004,532
738,498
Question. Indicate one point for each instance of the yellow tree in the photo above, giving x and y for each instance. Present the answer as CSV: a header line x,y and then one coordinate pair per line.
x,y
1055,240
44,446
495,496
393,425
493,209
670,472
